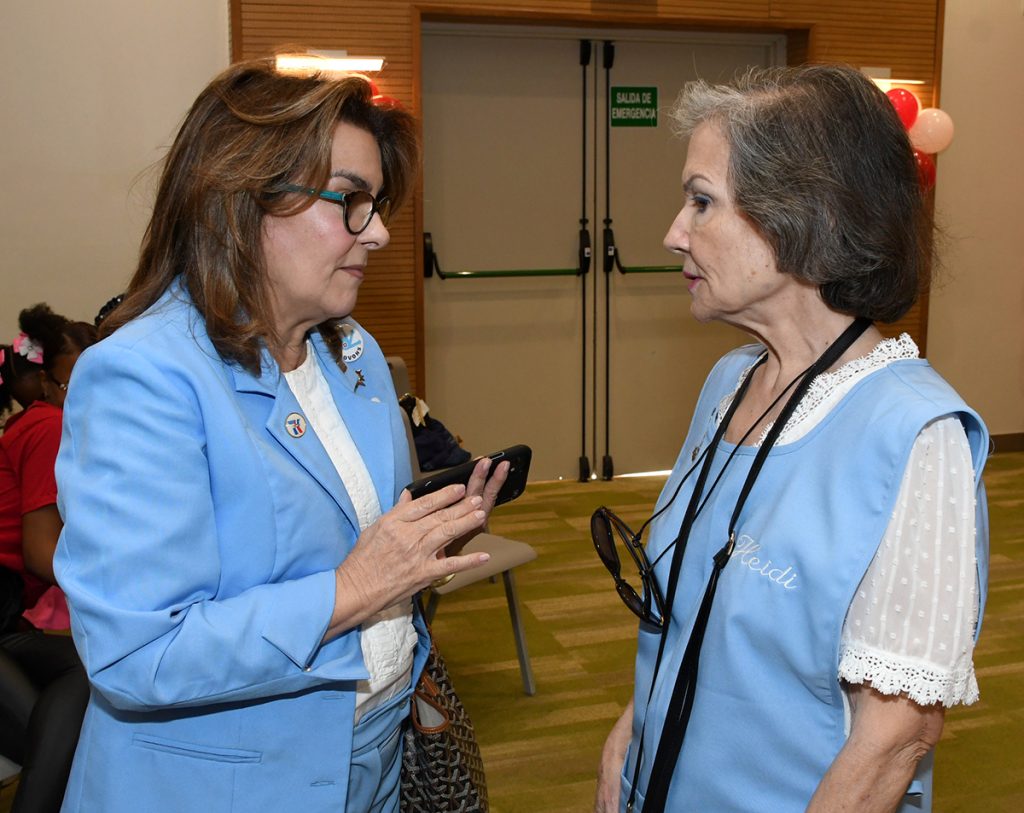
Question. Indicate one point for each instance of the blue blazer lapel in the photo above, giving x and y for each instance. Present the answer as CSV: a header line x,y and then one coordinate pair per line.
x,y
288,425
362,402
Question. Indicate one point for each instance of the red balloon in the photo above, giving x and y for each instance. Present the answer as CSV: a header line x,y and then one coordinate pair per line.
x,y
387,101
925,169
906,104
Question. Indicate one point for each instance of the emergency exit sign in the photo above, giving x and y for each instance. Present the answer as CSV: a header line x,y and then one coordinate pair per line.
x,y
634,107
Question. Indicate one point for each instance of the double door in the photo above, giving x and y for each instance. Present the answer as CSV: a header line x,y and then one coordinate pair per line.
x,y
531,144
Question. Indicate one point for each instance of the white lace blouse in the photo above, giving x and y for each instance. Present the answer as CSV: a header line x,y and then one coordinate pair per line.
x,y
910,627
388,639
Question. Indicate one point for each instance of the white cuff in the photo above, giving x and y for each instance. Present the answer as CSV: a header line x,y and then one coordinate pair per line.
x,y
921,682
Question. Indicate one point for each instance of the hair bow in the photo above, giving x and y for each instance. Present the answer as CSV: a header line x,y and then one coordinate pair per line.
x,y
24,346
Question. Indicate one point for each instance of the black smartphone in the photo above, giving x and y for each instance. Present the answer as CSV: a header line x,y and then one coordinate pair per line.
x,y
515,483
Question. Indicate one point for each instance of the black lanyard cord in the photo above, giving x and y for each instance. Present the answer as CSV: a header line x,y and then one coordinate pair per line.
x,y
681,703
679,543
728,460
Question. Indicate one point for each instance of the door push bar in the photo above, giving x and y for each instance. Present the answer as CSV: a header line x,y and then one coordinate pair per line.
x,y
612,261
432,266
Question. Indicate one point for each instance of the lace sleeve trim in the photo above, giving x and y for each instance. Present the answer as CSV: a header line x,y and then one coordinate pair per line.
x,y
921,682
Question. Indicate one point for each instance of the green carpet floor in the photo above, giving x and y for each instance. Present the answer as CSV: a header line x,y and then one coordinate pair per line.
x,y
541,752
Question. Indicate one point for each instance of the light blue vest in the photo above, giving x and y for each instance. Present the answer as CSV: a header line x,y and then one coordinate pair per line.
x,y
768,714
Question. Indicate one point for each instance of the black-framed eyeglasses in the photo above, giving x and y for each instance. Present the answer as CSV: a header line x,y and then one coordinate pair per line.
x,y
605,527
358,205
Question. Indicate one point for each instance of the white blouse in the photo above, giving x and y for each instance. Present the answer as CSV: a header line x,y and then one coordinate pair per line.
x,y
388,639
910,627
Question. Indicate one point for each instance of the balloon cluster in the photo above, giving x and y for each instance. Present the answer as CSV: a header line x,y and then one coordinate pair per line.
x,y
930,131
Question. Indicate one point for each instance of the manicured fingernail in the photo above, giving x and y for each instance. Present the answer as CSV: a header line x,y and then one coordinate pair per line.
x,y
484,557
477,500
480,514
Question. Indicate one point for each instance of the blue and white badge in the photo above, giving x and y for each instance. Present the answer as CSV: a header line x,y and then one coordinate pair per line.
x,y
351,344
295,425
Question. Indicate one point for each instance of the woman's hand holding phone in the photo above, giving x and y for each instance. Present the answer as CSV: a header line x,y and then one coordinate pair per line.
x,y
404,551
495,478
486,487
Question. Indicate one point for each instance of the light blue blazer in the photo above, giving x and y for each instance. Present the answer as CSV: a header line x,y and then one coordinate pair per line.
x,y
198,557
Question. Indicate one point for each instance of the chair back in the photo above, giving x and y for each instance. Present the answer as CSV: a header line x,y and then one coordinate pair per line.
x,y
506,554
400,378
399,374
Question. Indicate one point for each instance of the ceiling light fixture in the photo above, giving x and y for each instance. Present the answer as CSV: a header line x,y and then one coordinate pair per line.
x,y
329,61
884,79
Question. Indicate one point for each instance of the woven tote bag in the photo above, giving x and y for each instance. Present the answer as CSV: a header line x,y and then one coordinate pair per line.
x,y
442,771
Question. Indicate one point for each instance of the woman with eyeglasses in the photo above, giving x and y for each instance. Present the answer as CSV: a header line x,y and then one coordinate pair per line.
x,y
815,572
43,688
239,553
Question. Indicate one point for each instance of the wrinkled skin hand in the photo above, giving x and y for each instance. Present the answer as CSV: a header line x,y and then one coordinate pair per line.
x,y
413,544
609,783
479,485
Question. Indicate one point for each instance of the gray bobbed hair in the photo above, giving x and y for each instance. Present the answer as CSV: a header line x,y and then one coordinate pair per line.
x,y
822,166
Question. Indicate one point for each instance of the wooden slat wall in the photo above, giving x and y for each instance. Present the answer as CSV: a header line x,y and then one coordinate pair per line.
x,y
900,34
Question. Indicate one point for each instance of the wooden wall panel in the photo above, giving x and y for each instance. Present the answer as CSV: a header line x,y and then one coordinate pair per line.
x,y
900,34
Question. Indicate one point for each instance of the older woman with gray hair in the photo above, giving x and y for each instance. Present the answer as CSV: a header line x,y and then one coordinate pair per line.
x,y
815,575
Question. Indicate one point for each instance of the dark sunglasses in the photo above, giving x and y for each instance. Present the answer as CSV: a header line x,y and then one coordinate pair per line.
x,y
605,528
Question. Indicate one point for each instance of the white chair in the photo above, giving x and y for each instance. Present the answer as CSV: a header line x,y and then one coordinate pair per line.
x,y
506,554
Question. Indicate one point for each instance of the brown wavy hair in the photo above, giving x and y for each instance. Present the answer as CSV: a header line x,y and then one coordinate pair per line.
x,y
250,131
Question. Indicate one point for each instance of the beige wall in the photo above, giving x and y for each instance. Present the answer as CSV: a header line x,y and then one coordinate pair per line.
x,y
976,320
90,96
92,92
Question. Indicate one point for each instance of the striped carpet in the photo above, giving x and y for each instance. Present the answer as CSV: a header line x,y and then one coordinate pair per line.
x,y
541,752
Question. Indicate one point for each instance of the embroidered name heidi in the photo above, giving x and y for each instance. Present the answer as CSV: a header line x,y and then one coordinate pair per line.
x,y
746,549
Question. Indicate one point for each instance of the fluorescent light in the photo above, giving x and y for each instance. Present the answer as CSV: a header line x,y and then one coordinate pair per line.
x,y
887,84
664,473
328,61
884,79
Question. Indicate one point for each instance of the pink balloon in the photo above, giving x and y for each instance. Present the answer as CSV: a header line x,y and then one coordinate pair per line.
x,y
932,132
925,169
907,105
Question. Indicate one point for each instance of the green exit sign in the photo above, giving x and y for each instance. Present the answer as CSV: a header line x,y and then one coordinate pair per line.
x,y
633,107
